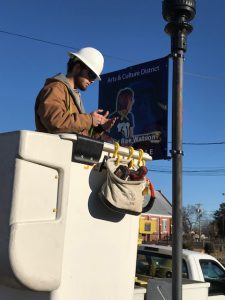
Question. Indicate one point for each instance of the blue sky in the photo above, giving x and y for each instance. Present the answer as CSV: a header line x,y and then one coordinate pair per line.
x,y
127,33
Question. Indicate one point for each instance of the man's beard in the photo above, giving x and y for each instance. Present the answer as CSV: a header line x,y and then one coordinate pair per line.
x,y
78,84
82,88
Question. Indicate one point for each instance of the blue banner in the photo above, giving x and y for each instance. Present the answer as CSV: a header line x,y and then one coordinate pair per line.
x,y
138,97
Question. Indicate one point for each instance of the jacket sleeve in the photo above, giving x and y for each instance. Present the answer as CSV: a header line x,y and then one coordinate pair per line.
x,y
54,115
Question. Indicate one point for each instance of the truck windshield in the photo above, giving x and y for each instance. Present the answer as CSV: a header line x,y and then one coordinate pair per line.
x,y
214,274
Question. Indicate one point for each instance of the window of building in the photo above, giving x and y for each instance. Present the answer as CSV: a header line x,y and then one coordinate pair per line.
x,y
147,226
164,225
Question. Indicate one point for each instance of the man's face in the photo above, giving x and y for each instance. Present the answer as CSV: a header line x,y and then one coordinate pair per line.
x,y
84,78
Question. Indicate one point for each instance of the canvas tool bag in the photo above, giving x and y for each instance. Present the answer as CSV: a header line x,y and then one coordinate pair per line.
x,y
122,195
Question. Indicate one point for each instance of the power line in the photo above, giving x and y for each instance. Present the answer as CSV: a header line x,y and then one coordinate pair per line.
x,y
110,56
192,171
215,172
55,44
36,39
202,143
204,76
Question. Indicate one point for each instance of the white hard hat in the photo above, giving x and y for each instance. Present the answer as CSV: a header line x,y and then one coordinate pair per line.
x,y
92,58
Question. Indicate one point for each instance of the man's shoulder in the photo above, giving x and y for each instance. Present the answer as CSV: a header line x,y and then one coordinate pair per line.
x,y
50,83
52,87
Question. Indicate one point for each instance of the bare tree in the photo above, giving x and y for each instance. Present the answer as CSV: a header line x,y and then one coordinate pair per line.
x,y
189,218
196,219
219,217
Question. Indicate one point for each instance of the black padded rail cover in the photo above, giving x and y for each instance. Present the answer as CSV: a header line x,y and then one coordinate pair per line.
x,y
87,150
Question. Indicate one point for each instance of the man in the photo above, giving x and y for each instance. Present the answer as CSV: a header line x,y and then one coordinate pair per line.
x,y
59,107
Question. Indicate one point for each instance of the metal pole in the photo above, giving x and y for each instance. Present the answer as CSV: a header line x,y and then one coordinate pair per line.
x,y
177,133
177,13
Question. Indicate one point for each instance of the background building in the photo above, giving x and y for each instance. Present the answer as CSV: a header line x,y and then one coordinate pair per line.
x,y
156,224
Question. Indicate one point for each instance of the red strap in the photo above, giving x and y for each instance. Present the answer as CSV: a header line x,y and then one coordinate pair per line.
x,y
152,189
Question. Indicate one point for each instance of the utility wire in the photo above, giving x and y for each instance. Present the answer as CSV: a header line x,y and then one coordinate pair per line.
x,y
204,144
201,143
204,76
36,39
217,172
110,56
55,44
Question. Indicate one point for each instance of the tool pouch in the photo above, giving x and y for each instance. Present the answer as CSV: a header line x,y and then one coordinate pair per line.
x,y
123,196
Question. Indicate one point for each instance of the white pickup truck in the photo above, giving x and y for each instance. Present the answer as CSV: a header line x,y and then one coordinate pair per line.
x,y
156,261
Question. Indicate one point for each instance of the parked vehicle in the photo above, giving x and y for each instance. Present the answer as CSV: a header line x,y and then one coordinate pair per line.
x,y
156,261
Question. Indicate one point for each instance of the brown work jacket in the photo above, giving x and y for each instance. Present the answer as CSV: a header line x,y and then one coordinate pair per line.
x,y
57,109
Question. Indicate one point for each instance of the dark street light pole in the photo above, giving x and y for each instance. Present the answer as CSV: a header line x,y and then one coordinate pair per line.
x,y
177,13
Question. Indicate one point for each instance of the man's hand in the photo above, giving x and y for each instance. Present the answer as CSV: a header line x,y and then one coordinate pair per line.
x,y
109,123
106,123
99,119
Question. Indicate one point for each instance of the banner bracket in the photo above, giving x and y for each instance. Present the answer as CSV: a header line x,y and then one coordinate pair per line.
x,y
176,152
